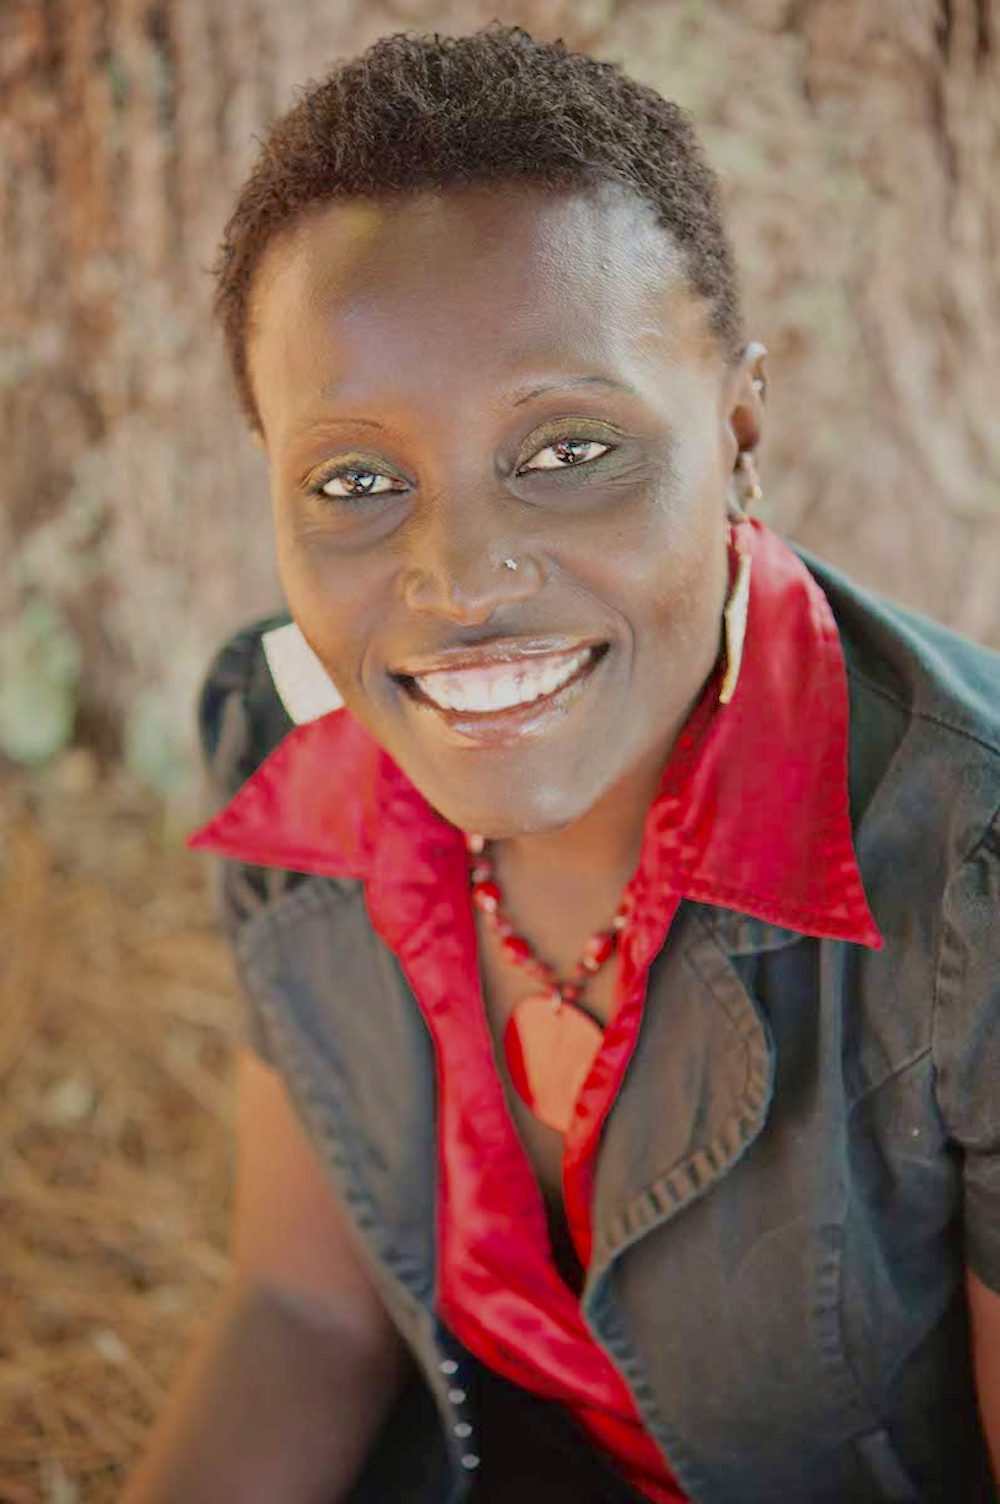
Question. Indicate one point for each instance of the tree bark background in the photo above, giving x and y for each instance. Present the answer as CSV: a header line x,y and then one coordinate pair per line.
x,y
859,148
858,142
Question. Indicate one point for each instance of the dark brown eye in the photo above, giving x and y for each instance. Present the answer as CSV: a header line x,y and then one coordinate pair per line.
x,y
359,482
567,452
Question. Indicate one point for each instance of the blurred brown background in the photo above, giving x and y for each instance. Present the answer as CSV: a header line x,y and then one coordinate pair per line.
x,y
859,148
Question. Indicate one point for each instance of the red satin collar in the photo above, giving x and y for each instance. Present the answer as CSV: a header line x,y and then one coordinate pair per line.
x,y
752,812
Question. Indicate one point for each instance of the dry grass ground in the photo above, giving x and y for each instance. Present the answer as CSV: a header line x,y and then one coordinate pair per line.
x,y
117,1025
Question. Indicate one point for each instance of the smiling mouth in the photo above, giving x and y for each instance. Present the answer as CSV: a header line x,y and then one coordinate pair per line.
x,y
498,689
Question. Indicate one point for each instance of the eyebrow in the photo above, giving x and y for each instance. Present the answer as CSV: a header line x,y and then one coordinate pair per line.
x,y
314,425
358,422
568,383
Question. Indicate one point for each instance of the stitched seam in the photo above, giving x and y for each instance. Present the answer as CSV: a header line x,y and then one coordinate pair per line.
x,y
827,1324
923,715
985,839
944,938
339,1143
722,924
900,1070
688,1471
685,1183
743,1018
286,913
806,912
989,839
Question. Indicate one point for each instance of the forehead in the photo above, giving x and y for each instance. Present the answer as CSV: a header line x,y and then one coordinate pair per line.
x,y
449,290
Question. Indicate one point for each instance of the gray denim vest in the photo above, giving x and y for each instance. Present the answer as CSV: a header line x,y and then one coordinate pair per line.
x,y
803,1155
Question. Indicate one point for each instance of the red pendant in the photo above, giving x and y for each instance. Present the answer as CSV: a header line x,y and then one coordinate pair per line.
x,y
549,1053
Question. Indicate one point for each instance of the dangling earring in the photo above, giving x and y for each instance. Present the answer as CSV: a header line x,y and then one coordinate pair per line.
x,y
738,600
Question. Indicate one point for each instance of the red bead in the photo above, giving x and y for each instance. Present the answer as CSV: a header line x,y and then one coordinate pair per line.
x,y
599,947
486,896
516,948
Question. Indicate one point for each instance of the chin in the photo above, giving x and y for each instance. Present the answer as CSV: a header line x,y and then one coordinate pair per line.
x,y
517,813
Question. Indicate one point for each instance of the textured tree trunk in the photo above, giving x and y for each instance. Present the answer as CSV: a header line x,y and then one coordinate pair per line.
x,y
859,146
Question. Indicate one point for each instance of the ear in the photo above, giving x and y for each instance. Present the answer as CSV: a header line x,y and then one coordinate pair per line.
x,y
745,395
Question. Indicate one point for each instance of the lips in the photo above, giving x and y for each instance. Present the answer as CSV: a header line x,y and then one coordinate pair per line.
x,y
500,686
497,650
493,702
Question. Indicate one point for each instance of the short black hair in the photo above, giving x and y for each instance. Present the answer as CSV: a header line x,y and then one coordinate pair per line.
x,y
417,112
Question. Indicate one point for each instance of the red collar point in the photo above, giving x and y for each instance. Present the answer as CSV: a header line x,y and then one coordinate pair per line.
x,y
722,802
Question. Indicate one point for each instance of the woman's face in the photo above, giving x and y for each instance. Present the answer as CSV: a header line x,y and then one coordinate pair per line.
x,y
448,380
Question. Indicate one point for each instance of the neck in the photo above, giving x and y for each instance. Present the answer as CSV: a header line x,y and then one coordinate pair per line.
x,y
603,844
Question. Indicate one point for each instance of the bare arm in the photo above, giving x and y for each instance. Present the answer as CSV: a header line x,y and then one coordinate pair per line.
x,y
298,1364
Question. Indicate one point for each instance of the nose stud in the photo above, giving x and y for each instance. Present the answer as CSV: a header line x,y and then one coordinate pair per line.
x,y
510,563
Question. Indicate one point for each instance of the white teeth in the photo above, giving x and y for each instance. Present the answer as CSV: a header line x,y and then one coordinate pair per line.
x,y
503,684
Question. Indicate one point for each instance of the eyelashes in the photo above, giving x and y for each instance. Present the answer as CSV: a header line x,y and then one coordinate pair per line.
x,y
365,476
566,444
351,472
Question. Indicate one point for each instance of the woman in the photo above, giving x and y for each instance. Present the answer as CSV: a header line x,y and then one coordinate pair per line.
x,y
614,886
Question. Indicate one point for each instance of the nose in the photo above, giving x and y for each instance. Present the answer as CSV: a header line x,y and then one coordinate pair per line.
x,y
458,569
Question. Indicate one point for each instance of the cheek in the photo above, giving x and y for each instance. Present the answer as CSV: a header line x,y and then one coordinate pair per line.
x,y
335,601
692,589
670,565
693,553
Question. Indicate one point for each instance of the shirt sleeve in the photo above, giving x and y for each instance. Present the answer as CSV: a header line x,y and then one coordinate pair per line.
x,y
966,1044
240,721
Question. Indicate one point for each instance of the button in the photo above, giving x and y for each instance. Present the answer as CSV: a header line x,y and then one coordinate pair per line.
x,y
463,1429
457,1396
449,1366
470,1460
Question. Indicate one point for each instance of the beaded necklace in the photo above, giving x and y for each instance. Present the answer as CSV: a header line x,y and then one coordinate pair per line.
x,y
550,1040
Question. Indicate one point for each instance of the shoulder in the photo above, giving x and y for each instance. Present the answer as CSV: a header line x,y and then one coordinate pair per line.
x,y
924,777
240,715
240,720
924,723
926,669
924,762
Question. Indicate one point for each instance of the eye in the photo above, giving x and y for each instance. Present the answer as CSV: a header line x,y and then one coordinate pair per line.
x,y
566,453
358,482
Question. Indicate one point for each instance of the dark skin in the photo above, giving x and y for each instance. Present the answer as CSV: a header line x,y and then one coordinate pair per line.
x,y
432,315
427,316
438,317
